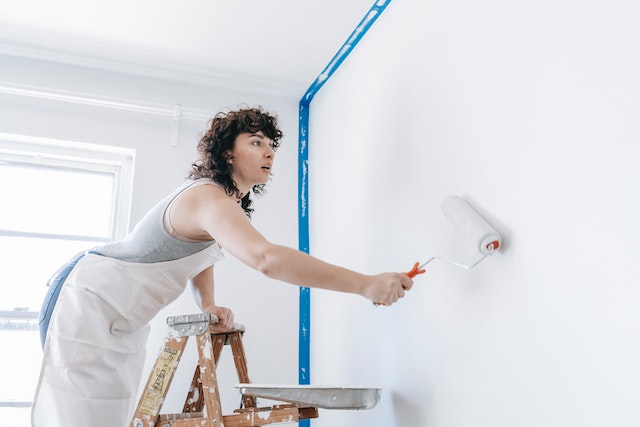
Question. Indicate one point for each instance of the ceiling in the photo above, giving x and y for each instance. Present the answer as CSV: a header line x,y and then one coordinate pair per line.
x,y
275,43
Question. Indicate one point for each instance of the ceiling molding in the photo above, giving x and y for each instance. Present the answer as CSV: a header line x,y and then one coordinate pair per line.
x,y
146,65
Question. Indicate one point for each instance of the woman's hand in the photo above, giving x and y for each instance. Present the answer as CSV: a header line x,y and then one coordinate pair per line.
x,y
387,288
225,317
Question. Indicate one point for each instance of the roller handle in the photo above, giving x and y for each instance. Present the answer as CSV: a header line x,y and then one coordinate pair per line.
x,y
415,270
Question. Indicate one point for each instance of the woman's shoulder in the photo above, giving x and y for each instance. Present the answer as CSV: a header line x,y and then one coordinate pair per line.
x,y
204,191
202,184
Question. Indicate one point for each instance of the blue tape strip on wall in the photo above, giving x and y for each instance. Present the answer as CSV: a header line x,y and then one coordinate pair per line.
x,y
303,180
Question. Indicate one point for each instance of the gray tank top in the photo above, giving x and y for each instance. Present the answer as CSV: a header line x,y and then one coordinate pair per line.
x,y
150,241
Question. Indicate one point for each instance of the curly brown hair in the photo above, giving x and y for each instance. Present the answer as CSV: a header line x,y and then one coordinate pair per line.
x,y
221,137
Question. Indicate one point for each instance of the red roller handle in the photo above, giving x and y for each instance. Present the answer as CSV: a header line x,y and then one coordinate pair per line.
x,y
415,270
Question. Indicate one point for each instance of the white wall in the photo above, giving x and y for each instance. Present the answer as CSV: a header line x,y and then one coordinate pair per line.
x,y
267,309
528,110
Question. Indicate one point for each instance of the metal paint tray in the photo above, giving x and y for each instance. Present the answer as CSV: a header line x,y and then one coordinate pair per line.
x,y
317,396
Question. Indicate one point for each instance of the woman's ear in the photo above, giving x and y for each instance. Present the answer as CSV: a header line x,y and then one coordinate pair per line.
x,y
228,156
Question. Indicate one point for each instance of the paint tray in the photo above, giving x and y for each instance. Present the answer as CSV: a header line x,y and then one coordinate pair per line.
x,y
317,396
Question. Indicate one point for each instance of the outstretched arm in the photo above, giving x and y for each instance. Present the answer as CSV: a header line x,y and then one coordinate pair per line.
x,y
221,218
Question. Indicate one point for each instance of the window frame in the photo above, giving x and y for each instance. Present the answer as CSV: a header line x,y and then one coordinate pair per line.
x,y
57,153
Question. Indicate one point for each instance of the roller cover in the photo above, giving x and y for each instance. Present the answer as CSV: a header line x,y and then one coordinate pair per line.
x,y
471,224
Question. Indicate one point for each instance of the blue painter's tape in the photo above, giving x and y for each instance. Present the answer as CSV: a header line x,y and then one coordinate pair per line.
x,y
355,37
303,244
303,181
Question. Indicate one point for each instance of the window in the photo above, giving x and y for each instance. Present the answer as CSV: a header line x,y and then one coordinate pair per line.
x,y
58,198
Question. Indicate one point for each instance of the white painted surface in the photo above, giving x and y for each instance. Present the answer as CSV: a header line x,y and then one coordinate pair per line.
x,y
529,112
279,45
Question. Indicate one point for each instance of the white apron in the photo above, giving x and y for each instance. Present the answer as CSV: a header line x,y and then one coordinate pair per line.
x,y
95,348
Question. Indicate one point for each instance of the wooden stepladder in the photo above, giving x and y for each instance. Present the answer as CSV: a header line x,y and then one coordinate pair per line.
x,y
202,407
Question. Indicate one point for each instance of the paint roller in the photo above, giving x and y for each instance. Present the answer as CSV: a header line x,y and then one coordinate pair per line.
x,y
469,222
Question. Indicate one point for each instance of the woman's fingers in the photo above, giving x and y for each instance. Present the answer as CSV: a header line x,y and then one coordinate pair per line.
x,y
226,318
388,288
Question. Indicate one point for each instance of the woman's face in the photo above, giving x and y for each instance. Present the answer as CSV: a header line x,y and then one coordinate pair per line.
x,y
251,159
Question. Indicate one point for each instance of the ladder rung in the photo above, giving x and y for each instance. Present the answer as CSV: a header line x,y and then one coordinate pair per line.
x,y
182,416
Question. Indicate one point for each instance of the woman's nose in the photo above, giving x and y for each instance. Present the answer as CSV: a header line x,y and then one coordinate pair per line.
x,y
270,151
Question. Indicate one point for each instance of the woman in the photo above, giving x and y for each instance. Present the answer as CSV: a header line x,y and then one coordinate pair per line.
x,y
95,319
